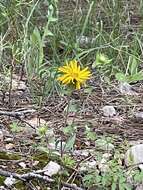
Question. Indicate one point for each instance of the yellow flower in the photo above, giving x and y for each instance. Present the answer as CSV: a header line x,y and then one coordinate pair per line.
x,y
72,74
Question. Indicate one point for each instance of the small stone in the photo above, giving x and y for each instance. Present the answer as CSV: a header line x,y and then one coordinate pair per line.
x,y
52,168
139,116
109,111
8,140
134,155
9,146
65,188
126,89
9,181
139,187
22,164
2,188
6,133
133,143
1,137
18,85
35,163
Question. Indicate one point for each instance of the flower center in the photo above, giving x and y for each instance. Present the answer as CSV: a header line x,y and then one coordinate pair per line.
x,y
74,75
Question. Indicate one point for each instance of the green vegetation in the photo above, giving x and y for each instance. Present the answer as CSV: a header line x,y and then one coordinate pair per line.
x,y
38,40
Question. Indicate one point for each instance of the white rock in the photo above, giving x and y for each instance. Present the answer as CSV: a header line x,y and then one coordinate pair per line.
x,y
133,143
9,146
109,111
35,163
126,89
52,168
65,188
18,85
8,140
22,164
9,181
139,115
134,156
1,136
5,133
139,187
2,188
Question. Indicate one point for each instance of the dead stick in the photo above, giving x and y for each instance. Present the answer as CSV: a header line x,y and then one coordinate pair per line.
x,y
26,176
30,175
16,113
71,186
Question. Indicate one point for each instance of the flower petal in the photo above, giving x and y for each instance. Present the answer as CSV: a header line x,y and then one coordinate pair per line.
x,y
72,73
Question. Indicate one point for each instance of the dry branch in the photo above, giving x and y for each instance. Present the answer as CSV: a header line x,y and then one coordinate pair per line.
x,y
71,186
16,113
26,176
31,175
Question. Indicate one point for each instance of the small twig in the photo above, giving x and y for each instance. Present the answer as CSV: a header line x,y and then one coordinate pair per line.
x,y
76,167
10,86
16,113
64,125
30,185
26,176
134,165
30,175
9,174
71,186
23,121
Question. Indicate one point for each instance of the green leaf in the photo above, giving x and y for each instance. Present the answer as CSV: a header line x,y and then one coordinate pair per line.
x,y
52,19
133,65
90,135
72,107
70,143
68,161
48,33
88,90
70,129
43,149
15,128
136,77
121,77
37,43
113,187
101,60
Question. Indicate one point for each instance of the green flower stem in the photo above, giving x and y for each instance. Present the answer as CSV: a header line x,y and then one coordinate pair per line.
x,y
64,125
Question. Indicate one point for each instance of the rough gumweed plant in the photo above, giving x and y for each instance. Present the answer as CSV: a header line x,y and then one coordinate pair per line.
x,y
73,77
